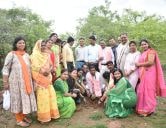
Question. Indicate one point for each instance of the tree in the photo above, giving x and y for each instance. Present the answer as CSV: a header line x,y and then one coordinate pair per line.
x,y
21,21
99,22
104,23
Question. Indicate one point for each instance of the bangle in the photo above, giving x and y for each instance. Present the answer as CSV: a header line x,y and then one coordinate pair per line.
x,y
5,81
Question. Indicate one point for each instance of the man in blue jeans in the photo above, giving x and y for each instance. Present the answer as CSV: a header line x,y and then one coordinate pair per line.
x,y
80,52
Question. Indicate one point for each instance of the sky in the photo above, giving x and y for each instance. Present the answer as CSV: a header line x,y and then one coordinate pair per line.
x,y
65,13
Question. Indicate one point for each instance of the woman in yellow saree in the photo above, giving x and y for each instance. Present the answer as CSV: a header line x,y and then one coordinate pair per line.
x,y
41,72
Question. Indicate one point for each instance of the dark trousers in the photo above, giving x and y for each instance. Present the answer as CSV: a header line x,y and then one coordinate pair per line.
x,y
70,66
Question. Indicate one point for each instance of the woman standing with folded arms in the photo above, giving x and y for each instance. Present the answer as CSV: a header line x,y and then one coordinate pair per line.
x,y
17,78
41,72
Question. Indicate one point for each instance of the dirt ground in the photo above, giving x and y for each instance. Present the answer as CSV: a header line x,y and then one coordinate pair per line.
x,y
92,116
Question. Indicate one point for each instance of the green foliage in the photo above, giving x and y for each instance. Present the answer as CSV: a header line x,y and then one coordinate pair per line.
x,y
66,35
21,21
104,23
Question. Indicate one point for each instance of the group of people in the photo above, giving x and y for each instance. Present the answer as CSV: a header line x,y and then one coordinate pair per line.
x,y
55,78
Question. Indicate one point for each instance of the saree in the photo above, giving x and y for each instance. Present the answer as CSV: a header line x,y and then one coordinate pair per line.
x,y
56,50
66,104
129,66
148,89
120,100
46,96
53,73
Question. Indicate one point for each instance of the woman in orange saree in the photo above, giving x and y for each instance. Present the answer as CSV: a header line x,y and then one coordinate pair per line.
x,y
151,80
41,72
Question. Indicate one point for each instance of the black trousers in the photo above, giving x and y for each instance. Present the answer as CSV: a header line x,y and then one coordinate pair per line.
x,y
70,66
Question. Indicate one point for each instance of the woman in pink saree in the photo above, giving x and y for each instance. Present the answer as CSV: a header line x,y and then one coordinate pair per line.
x,y
151,80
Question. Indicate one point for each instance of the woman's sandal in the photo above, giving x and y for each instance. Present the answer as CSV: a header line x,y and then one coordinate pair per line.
x,y
23,124
143,115
27,120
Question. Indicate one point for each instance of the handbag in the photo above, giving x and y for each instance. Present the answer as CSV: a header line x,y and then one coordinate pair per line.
x,y
6,100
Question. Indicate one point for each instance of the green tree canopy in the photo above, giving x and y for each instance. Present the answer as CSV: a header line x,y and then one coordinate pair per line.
x,y
21,21
105,23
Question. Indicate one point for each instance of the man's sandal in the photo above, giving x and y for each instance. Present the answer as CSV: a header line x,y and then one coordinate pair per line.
x,y
23,124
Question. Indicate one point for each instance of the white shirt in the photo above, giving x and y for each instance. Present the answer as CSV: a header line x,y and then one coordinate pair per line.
x,y
92,53
80,53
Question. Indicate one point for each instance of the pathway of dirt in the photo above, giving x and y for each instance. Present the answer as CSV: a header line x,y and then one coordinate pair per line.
x,y
81,119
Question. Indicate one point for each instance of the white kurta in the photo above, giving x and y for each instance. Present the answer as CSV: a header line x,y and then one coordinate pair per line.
x,y
107,55
131,59
20,100
122,51
94,84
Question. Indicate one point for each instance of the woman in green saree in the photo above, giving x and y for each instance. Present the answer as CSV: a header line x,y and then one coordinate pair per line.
x,y
121,98
66,104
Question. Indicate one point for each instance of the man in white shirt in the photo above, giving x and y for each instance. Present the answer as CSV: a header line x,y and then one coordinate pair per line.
x,y
122,51
93,53
80,53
